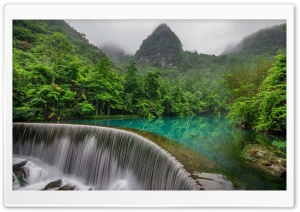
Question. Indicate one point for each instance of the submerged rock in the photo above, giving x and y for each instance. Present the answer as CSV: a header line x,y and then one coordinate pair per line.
x,y
53,184
19,166
20,173
67,187
59,185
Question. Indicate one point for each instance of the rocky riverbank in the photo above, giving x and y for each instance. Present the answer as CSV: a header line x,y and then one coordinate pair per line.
x,y
269,159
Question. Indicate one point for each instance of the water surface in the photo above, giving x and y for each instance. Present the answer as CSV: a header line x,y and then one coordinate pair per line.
x,y
210,136
65,156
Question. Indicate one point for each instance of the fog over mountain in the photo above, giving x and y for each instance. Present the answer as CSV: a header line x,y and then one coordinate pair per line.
x,y
204,36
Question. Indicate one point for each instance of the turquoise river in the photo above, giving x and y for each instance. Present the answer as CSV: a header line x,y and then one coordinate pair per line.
x,y
210,136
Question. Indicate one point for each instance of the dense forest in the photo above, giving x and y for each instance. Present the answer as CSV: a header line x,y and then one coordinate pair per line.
x,y
265,41
58,74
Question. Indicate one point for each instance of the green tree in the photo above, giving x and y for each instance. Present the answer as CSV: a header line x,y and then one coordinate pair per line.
x,y
243,112
133,90
243,84
106,88
152,104
272,98
153,85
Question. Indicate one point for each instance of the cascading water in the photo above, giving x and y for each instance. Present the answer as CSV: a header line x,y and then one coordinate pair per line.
x,y
72,157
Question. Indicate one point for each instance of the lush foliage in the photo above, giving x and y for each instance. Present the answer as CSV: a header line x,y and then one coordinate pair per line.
x,y
267,40
50,61
272,98
260,102
279,145
57,75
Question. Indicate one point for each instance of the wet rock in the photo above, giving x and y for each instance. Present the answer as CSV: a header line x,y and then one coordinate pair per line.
x,y
242,124
280,162
20,172
265,159
53,184
67,187
280,169
266,163
211,181
262,152
257,153
19,166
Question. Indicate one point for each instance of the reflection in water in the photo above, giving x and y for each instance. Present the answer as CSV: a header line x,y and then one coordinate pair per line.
x,y
210,136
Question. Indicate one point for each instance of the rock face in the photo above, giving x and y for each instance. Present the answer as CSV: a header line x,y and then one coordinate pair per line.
x,y
162,48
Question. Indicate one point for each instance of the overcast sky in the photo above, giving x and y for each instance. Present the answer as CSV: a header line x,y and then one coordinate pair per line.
x,y
204,36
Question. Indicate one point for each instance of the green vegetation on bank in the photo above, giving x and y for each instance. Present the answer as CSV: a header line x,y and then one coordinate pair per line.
x,y
260,100
57,75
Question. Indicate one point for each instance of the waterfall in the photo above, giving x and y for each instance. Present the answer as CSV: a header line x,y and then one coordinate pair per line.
x,y
99,157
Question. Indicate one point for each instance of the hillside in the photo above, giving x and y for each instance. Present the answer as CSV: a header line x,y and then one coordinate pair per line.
x,y
28,33
58,74
162,48
51,62
268,40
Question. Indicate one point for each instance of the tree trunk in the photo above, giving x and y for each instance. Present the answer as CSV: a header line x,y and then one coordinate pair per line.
x,y
101,109
108,109
97,107
46,112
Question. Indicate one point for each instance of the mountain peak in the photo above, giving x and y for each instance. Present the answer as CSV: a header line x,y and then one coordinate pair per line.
x,y
162,48
163,26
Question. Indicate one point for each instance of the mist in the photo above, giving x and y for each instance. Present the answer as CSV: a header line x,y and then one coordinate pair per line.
x,y
203,36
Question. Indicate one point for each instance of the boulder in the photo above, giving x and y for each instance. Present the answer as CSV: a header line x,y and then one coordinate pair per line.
x,y
53,184
67,187
19,166
279,169
20,172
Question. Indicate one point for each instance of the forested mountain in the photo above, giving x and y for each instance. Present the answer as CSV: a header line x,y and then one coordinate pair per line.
x,y
58,74
27,33
51,61
268,40
162,48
